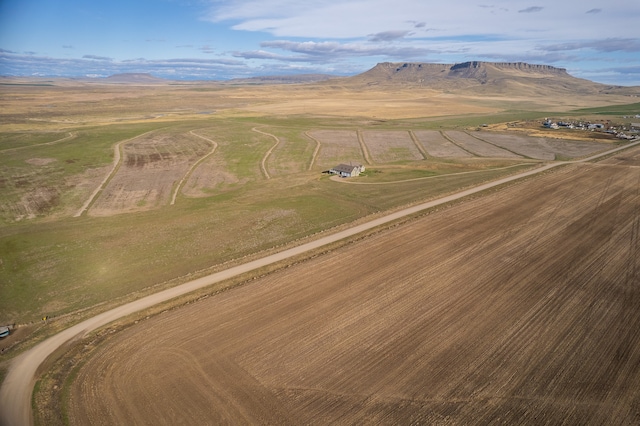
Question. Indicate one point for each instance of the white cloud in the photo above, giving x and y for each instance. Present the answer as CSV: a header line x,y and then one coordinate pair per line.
x,y
389,36
531,9
606,45
349,19
97,58
331,50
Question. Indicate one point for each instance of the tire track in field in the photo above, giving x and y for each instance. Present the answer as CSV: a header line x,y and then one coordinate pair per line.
x,y
17,387
418,145
499,147
363,146
315,152
266,156
450,139
71,135
194,165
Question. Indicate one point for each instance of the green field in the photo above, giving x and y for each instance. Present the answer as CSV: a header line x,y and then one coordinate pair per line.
x,y
54,264
262,191
619,110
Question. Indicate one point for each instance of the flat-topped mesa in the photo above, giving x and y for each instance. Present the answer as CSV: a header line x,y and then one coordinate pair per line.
x,y
473,69
522,66
499,78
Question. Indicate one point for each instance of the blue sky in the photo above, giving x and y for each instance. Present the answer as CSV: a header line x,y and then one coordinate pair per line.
x,y
222,39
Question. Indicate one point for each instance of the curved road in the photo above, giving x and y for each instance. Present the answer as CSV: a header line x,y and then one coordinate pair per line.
x,y
266,156
17,388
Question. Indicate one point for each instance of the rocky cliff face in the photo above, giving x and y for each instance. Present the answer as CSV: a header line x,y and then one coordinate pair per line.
x,y
520,66
486,71
480,71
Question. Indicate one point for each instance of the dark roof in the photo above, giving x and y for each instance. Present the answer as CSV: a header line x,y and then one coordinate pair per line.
x,y
344,168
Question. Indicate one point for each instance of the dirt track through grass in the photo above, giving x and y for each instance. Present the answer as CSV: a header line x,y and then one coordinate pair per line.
x,y
315,151
116,163
180,184
69,136
263,164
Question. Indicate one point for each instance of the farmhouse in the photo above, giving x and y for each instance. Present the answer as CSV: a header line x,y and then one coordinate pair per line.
x,y
347,170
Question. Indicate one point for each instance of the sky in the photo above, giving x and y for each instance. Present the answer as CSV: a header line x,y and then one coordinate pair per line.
x,y
222,39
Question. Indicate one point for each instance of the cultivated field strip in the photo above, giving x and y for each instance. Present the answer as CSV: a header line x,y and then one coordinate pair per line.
x,y
390,146
151,165
337,146
522,307
439,146
292,155
180,187
540,148
210,175
478,147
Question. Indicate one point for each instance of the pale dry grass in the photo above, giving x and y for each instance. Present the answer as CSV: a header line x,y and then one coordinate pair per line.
x,y
337,146
391,146
477,146
151,166
437,145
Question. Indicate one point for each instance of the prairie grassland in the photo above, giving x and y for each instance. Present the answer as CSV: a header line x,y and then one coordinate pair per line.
x,y
57,146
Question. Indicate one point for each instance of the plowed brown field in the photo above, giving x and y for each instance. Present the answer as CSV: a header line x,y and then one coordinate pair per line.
x,y
518,307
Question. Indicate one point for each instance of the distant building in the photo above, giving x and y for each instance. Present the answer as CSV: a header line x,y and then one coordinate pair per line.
x,y
347,170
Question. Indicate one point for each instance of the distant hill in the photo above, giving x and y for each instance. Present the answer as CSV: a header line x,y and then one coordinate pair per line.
x,y
143,78
133,78
282,79
501,78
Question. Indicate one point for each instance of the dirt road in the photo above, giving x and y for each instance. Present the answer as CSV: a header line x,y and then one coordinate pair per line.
x,y
263,164
15,394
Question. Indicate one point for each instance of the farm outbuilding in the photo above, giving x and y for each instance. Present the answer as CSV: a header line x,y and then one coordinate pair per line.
x,y
347,170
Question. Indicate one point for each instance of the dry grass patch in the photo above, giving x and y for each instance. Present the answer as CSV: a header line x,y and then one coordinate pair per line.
x,y
391,146
337,146
478,147
439,146
542,148
150,168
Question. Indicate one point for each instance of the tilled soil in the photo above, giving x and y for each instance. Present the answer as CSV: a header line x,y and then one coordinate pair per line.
x,y
391,146
521,307
336,146
150,168
438,146
541,148
478,147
